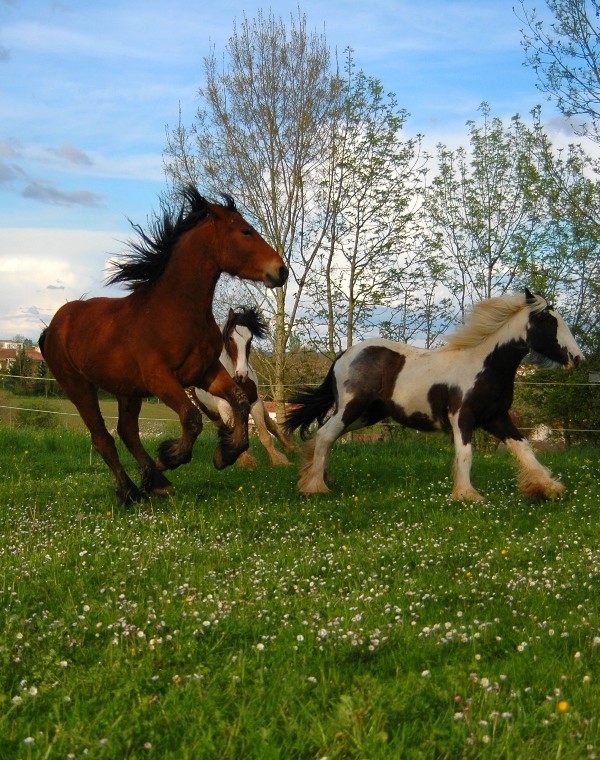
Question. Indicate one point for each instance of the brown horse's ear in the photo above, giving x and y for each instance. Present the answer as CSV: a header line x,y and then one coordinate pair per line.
x,y
231,314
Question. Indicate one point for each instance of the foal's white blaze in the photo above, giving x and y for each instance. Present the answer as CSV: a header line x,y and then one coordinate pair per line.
x,y
241,337
565,340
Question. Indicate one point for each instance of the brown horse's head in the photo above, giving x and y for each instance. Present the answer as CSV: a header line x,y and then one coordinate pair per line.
x,y
243,251
216,236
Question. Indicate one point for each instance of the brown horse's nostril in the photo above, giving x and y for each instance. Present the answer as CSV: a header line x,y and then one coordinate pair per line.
x,y
278,280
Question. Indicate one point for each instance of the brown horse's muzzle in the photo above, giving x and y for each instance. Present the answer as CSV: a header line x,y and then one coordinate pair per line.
x,y
276,279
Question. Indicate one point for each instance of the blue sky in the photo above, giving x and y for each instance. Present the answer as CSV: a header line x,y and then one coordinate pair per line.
x,y
87,90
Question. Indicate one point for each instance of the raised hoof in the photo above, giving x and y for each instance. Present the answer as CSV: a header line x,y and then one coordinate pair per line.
x,y
555,490
223,459
164,491
550,490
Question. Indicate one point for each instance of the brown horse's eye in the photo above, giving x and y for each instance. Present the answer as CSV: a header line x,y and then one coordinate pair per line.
x,y
246,232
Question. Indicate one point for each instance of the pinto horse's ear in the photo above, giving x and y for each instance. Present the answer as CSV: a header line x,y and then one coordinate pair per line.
x,y
529,296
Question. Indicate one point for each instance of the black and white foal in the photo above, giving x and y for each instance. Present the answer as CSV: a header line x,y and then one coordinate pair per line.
x,y
466,384
240,327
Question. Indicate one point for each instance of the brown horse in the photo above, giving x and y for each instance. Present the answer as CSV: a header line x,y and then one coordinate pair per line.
x,y
162,337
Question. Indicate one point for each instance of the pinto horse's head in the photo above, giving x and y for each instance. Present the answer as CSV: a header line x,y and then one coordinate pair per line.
x,y
548,336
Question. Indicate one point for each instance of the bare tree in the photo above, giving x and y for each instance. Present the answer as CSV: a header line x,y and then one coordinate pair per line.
x,y
267,110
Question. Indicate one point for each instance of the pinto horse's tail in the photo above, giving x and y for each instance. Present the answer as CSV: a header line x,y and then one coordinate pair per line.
x,y
311,404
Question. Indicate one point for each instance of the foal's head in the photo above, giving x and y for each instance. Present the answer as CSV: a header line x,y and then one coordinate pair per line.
x,y
241,326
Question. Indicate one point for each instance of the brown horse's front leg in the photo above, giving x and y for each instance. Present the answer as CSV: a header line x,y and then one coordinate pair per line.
x,y
233,439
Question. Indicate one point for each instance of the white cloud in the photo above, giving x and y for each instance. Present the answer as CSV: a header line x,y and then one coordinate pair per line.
x,y
40,269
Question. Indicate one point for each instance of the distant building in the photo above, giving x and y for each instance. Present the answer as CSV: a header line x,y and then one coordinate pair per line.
x,y
13,344
8,354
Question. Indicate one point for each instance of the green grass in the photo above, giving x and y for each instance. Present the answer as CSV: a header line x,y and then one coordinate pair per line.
x,y
238,619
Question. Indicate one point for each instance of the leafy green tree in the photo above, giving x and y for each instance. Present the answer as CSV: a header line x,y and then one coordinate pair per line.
x,y
20,371
481,215
565,55
564,400
370,183
564,255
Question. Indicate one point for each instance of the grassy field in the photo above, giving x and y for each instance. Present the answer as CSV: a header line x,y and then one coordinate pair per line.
x,y
18,411
238,619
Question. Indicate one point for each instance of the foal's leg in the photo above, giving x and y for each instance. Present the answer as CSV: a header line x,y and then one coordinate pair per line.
x,y
233,438
534,479
153,481
257,410
463,458
276,430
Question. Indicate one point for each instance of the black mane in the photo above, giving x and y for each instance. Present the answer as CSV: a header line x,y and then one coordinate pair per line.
x,y
247,316
148,256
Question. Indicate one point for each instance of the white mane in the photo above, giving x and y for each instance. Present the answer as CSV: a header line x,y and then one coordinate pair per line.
x,y
488,317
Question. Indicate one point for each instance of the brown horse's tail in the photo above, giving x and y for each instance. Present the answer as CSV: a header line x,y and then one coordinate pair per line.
x,y
310,405
42,339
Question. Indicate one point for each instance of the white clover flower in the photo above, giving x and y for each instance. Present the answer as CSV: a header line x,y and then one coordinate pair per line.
x,y
29,740
16,700
426,674
260,647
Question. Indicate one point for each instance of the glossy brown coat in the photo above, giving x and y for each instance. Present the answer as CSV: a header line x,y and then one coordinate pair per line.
x,y
161,338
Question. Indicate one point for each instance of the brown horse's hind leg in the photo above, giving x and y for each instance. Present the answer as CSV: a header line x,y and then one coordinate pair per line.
x,y
85,398
153,481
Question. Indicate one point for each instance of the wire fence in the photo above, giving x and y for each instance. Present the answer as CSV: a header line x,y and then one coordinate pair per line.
x,y
38,411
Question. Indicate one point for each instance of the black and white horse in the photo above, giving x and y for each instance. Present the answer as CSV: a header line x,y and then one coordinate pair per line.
x,y
466,384
240,327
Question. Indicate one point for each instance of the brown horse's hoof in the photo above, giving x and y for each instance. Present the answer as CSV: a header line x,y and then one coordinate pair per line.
x,y
154,482
130,495
219,460
223,458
